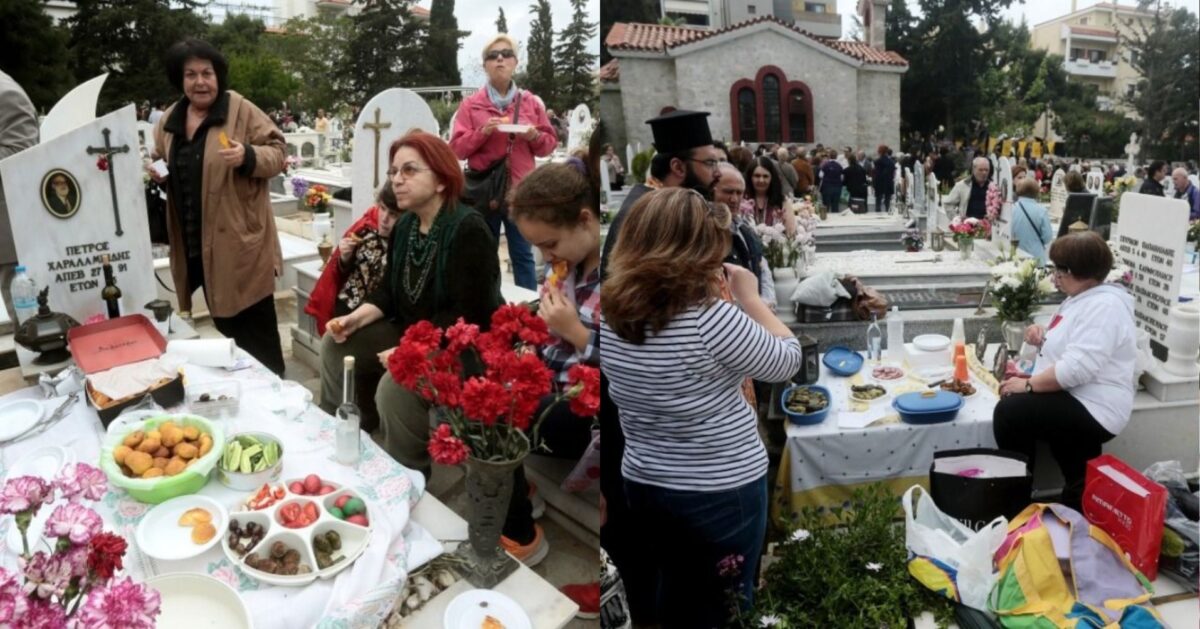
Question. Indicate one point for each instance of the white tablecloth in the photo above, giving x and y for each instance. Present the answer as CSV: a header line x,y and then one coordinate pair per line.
x,y
825,462
360,596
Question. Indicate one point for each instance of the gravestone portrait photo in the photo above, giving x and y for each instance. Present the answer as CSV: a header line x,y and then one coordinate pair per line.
x,y
60,193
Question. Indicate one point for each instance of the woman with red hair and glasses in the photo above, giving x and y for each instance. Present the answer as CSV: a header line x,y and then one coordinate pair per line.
x,y
442,265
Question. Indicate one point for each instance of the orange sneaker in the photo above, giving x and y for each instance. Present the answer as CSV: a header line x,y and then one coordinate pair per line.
x,y
530,554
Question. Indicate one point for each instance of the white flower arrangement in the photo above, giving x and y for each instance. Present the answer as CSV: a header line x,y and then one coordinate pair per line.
x,y
1017,287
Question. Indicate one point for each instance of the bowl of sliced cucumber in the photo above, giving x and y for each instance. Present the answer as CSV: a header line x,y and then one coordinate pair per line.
x,y
250,459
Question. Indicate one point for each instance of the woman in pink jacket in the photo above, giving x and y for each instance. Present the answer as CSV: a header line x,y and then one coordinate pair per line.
x,y
476,139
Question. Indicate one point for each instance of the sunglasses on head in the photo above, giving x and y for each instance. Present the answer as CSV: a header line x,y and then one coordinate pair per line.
x,y
506,53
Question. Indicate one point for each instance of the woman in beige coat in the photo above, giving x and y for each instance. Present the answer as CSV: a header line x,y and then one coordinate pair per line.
x,y
221,151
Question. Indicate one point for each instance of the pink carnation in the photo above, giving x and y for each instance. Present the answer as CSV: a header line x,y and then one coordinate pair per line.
x,y
122,603
81,481
13,603
24,494
74,521
47,576
44,615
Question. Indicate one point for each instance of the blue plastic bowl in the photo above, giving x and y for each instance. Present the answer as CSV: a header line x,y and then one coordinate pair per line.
x,y
808,419
842,361
924,408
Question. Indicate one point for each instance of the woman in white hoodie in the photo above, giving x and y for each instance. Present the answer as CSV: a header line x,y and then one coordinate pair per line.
x,y
1081,392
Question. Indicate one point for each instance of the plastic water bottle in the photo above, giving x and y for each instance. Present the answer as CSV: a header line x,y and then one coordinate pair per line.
x,y
24,295
349,419
895,335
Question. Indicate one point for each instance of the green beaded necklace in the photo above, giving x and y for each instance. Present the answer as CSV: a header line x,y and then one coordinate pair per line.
x,y
420,256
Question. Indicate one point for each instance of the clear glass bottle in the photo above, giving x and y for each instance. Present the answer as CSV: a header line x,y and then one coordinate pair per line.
x,y
349,419
111,294
874,340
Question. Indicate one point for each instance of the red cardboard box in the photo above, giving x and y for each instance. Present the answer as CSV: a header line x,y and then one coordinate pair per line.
x,y
1129,507
121,341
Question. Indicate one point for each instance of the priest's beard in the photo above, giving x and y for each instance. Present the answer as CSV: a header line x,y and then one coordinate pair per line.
x,y
691,181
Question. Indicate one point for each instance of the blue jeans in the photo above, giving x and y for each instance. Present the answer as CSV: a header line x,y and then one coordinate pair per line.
x,y
691,532
518,250
832,198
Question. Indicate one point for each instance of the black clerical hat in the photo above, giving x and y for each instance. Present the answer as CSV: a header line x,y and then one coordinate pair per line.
x,y
680,130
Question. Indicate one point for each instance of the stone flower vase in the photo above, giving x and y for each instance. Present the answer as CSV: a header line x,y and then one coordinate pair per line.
x,y
785,284
489,488
1183,340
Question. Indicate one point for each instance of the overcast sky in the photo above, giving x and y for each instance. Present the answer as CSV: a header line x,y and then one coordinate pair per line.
x,y
1034,11
479,17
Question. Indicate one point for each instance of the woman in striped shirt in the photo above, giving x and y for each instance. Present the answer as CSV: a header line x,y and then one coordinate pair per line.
x,y
676,356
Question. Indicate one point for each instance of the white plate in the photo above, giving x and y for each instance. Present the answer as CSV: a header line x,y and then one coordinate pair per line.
x,y
18,417
903,375
160,536
513,128
196,601
931,342
468,610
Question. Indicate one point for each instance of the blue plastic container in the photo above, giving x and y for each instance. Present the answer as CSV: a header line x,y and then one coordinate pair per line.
x,y
928,407
842,361
808,419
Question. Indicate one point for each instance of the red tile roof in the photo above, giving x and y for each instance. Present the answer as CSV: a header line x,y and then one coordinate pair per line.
x,y
659,38
1090,30
611,71
419,11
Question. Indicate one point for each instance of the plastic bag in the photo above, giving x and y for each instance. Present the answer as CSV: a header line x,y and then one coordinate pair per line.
x,y
819,290
1179,557
946,556
587,471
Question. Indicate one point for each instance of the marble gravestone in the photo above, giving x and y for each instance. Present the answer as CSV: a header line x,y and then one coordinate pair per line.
x,y
909,182
605,184
1094,182
579,128
629,159
1058,195
387,116
1131,151
1150,241
73,109
305,143
67,213
145,132
1003,227
918,189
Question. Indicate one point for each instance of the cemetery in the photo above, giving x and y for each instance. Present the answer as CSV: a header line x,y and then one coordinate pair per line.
x,y
268,508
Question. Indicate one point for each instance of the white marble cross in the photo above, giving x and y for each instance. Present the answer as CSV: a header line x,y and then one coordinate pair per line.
x,y
1131,151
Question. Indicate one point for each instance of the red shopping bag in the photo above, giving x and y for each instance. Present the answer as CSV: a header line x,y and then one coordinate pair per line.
x,y
1129,507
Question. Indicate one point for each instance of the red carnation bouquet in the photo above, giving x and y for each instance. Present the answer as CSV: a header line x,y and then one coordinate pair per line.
x,y
491,415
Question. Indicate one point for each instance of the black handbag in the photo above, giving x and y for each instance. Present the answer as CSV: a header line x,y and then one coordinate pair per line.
x,y
1003,484
487,190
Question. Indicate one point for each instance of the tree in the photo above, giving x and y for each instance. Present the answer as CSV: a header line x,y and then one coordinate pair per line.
x,y
444,42
238,33
35,52
128,39
1166,52
613,11
947,56
501,22
387,50
576,62
313,51
260,77
539,69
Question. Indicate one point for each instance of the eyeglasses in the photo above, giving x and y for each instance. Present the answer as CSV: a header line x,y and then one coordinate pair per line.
x,y
407,171
711,163
506,53
1058,270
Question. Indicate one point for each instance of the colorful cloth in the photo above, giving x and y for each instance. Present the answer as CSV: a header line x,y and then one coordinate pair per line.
x,y
324,296
561,354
